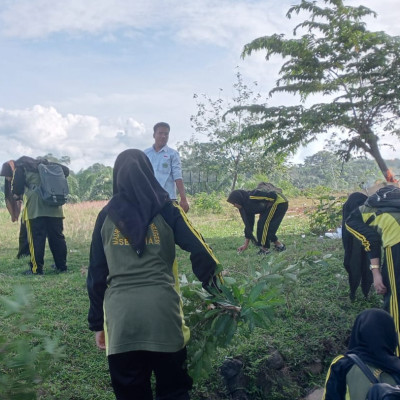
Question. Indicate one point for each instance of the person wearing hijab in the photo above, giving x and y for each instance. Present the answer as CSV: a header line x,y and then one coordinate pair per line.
x,y
135,307
356,260
376,225
14,207
373,339
271,206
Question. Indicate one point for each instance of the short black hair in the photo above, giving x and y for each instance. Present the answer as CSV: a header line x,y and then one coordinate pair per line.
x,y
159,125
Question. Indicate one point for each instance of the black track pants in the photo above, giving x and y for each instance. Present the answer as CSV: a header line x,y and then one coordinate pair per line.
x,y
52,228
131,372
268,224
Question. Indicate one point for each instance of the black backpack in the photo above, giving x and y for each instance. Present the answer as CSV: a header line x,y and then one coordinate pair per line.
x,y
378,391
53,187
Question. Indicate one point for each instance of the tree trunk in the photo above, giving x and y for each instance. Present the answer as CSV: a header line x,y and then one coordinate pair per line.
x,y
376,154
235,173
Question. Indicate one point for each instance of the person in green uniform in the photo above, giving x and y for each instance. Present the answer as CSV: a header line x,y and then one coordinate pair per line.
x,y
135,306
373,339
42,220
271,206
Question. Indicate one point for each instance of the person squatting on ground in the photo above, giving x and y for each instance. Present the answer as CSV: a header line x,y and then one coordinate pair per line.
x,y
378,227
41,220
135,306
167,164
14,207
373,339
271,206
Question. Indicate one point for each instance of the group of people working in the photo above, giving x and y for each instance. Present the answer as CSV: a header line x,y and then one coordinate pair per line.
x,y
135,304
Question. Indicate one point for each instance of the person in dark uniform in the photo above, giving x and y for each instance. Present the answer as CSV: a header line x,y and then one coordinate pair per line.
x,y
356,260
271,206
376,226
41,220
135,306
373,339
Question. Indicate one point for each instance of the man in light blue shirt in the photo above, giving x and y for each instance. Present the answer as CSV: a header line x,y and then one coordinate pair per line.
x,y
167,164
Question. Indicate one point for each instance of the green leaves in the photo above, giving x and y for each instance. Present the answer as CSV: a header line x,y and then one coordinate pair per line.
x,y
335,56
26,354
236,308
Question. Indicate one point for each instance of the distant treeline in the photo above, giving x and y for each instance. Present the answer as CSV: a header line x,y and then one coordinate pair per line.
x,y
320,170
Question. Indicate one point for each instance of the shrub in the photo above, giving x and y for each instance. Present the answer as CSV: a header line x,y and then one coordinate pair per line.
x,y
207,202
327,215
27,354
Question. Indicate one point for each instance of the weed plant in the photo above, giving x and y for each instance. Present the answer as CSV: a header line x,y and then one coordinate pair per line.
x,y
310,326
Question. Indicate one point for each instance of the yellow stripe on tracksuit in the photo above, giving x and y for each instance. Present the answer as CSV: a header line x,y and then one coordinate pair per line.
x,y
335,360
261,198
394,304
30,240
364,241
267,222
198,235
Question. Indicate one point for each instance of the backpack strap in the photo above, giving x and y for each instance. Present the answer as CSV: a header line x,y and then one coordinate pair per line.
x,y
368,373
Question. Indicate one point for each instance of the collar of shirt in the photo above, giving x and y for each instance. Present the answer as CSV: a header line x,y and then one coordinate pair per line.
x,y
165,148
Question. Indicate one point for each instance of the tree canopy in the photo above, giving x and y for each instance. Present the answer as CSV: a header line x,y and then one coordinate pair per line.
x,y
355,71
232,160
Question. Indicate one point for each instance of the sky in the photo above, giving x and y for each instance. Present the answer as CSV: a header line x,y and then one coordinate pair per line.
x,y
89,78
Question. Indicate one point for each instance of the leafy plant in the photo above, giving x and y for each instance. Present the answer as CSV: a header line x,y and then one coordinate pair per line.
x,y
207,202
327,215
26,354
232,309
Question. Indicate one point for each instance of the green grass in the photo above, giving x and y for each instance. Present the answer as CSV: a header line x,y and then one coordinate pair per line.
x,y
311,327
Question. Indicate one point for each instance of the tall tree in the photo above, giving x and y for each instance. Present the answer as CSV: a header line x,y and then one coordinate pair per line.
x,y
337,57
221,152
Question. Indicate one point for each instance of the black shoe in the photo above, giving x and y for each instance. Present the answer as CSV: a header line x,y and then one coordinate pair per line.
x,y
29,272
53,266
263,252
280,248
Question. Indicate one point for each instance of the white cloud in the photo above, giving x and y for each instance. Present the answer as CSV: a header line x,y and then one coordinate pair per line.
x,y
85,139
95,68
220,22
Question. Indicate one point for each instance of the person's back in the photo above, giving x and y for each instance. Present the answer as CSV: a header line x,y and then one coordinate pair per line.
x,y
42,220
374,340
358,384
133,286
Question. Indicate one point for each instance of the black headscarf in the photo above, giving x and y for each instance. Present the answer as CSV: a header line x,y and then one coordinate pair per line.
x,y
138,197
374,339
238,197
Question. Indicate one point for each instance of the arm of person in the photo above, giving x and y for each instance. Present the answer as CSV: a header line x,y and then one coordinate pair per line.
x,y
248,220
182,195
244,246
204,262
377,275
176,170
368,236
96,281
335,383
18,183
371,241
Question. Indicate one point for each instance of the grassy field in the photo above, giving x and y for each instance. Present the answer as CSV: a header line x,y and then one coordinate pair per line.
x,y
309,329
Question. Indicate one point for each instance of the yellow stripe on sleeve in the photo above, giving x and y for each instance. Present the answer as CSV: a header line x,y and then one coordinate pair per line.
x,y
364,241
